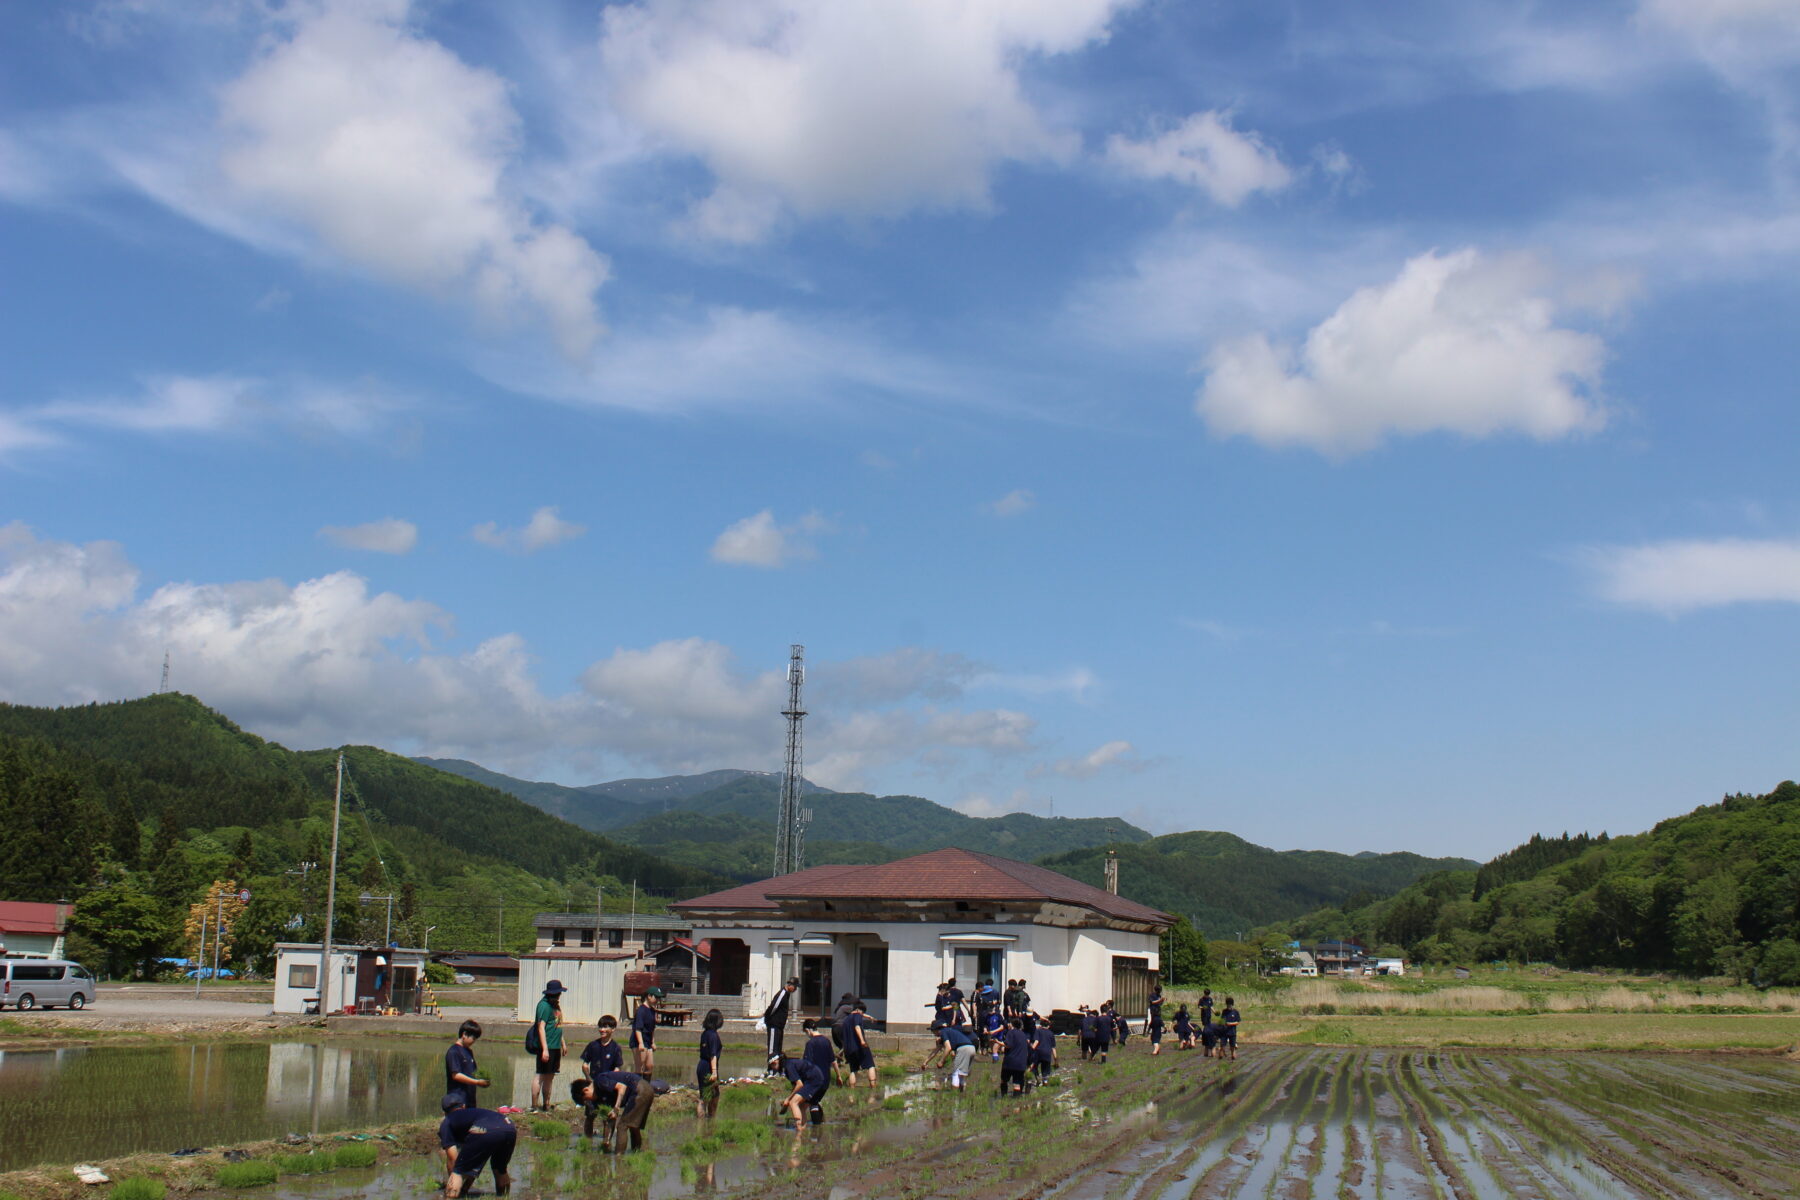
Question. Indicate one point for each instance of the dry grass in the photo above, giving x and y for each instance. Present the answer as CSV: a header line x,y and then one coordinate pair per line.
x,y
1330,997
1666,1031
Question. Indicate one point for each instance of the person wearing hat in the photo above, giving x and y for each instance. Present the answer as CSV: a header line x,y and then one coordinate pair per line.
x,y
643,1033
546,1024
472,1138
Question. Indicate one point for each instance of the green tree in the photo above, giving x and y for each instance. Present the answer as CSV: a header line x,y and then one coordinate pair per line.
x,y
1706,925
119,926
1186,961
47,851
1780,966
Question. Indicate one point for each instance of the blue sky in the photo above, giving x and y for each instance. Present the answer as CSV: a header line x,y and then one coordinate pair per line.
x,y
1347,427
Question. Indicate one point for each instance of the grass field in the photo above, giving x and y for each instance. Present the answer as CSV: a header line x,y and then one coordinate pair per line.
x,y
1772,1032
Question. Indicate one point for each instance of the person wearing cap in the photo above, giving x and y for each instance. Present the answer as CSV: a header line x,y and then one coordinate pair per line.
x,y
473,1138
547,1024
775,1016
809,1087
643,1033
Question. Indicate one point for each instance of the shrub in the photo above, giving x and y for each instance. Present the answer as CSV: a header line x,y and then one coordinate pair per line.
x,y
135,1188
356,1154
253,1173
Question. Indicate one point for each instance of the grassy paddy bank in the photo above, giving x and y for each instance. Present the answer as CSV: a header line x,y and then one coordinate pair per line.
x,y
1772,1033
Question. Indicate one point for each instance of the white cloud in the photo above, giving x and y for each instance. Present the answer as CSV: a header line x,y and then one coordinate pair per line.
x,y
389,535
395,152
980,804
1458,343
874,108
1206,153
327,661
890,677
1075,683
758,541
1680,576
1015,503
545,528
1112,756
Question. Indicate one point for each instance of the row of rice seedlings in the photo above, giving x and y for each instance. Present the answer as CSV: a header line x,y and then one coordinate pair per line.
x,y
137,1187
253,1173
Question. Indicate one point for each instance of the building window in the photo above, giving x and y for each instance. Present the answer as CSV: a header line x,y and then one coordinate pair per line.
x,y
655,941
615,938
556,937
872,973
300,976
587,938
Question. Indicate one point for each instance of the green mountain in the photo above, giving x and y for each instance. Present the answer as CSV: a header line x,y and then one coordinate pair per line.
x,y
732,827
1716,891
1225,885
133,809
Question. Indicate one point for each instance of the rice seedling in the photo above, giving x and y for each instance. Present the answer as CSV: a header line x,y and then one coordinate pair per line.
x,y
135,1188
254,1173
544,1127
891,1103
888,1070
357,1154
310,1163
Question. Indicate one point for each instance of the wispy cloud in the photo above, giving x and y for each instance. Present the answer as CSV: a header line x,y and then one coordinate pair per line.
x,y
1675,577
760,541
389,535
546,528
1015,503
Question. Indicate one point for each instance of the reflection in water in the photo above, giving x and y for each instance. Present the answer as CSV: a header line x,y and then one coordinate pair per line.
x,y
100,1102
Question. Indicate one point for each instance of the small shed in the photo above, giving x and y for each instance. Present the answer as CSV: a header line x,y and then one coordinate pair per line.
x,y
481,968
32,930
367,979
595,983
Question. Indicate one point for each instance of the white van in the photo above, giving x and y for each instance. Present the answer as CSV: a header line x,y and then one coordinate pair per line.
x,y
44,983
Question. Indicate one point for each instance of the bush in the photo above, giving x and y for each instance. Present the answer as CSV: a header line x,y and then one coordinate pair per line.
x,y
304,1164
435,973
250,1174
135,1188
356,1154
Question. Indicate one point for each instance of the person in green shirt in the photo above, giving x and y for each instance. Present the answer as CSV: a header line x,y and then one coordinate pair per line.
x,y
547,1024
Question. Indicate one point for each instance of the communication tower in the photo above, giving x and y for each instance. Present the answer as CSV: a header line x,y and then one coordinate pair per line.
x,y
791,819
165,675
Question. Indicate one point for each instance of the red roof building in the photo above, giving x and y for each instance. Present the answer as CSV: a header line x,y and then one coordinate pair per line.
x,y
31,928
888,933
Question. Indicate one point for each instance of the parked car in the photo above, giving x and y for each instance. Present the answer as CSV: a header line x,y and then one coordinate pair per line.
x,y
27,983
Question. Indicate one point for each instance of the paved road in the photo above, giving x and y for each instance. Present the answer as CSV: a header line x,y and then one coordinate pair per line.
x,y
126,1002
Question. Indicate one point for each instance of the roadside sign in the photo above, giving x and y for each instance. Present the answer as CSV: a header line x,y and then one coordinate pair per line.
x,y
244,896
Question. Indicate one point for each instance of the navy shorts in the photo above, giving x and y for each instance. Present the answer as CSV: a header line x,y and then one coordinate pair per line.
x,y
1228,1035
477,1152
859,1058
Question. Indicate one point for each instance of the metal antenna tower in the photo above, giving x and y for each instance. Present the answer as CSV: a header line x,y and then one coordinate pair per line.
x,y
165,678
790,820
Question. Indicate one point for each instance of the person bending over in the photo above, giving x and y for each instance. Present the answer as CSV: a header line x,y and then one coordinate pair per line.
x,y
473,1138
809,1087
628,1095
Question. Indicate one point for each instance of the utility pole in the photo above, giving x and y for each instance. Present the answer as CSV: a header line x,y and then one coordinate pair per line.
x,y
218,934
200,958
790,818
325,972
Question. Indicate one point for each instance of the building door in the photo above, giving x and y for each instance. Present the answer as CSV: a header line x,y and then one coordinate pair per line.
x,y
815,984
974,965
404,995
1131,985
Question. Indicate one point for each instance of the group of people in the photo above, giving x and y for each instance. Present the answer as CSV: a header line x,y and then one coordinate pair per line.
x,y
1216,1034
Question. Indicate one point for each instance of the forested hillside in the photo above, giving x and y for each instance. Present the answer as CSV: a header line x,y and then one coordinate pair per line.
x,y
1225,885
135,809
1716,891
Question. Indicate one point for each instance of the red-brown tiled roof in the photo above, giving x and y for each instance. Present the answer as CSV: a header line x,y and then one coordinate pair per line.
x,y
951,874
24,916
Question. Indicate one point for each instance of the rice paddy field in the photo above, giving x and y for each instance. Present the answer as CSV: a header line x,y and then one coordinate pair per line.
x,y
1285,1122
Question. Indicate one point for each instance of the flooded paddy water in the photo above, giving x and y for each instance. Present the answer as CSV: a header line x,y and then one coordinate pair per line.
x,y
1286,1123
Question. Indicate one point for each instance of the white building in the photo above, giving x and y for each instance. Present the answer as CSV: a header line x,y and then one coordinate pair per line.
x,y
369,978
890,933
595,981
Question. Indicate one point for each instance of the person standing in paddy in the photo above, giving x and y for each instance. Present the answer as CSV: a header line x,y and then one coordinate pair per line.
x,y
1206,1007
603,1054
858,1054
1229,1028
1156,1021
643,1033
546,1024
1184,1028
816,1048
706,1075
460,1075
1103,1031
1043,1047
1090,1035
1015,1057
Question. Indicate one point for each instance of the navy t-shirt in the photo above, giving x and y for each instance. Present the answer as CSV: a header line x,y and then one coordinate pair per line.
x,y
711,1047
606,1082
1206,1007
460,1060
808,1076
1017,1055
1230,1018
643,1025
466,1123
1044,1043
603,1056
955,1038
853,1026
1090,1024
1103,1029
1156,1003
820,1053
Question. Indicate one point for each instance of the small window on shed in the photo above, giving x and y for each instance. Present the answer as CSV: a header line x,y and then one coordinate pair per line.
x,y
303,975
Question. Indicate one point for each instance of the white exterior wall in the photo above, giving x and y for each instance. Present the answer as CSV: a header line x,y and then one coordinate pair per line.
x,y
596,987
32,945
1062,967
293,999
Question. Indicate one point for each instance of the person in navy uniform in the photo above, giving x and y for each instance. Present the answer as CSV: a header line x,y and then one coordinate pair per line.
x,y
643,1033
460,1073
629,1095
1184,1028
1228,1018
809,1087
1156,1021
471,1139
959,1053
1206,1006
943,1009
955,996
816,1048
1209,1037
1121,1027
1103,1031
603,1053
1090,1025
858,1054
1043,1047
1015,1057
706,1074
